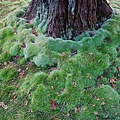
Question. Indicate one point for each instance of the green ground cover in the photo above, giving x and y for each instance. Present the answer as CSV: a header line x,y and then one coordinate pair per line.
x,y
42,78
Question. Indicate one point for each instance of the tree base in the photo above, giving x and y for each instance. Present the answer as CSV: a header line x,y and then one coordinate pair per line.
x,y
69,18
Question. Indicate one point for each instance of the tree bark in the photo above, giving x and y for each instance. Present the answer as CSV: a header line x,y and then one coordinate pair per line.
x,y
69,18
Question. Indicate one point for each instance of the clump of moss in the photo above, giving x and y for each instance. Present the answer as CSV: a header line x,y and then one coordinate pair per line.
x,y
5,56
6,32
23,61
42,60
6,91
31,50
7,74
31,83
100,103
16,49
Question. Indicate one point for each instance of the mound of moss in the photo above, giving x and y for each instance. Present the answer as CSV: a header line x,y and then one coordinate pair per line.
x,y
7,74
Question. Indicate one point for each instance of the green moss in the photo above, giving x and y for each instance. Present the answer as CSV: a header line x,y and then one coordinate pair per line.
x,y
103,81
6,91
4,57
7,74
5,32
41,60
118,86
31,82
16,49
41,102
100,103
30,38
31,50
97,64
111,107
80,37
23,61
42,26
73,80
117,62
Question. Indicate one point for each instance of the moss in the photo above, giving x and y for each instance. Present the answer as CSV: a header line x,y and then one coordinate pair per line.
x,y
80,37
7,74
12,17
6,91
30,38
111,106
23,61
114,28
4,57
5,32
42,26
16,49
117,62
41,60
31,50
71,80
100,103
41,102
97,64
31,82
102,81
118,86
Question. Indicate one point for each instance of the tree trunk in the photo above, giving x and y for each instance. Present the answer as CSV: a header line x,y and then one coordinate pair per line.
x,y
69,18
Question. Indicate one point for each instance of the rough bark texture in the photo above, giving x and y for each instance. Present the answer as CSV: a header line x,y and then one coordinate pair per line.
x,y
31,10
69,18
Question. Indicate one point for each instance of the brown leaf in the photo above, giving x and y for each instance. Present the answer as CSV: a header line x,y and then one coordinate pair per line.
x,y
53,104
112,106
95,113
119,69
85,109
103,103
26,102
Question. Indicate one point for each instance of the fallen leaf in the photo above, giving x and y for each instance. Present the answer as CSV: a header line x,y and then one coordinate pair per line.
x,y
103,103
53,104
85,109
26,102
95,113
112,106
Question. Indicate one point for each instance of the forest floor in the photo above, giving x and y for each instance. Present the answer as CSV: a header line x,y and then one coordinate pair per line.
x,y
42,78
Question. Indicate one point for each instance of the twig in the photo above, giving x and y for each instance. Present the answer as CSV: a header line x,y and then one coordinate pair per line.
x,y
59,111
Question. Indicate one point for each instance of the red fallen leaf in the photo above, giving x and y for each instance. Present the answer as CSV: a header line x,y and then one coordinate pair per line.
x,y
113,82
22,74
23,44
114,86
53,104
36,33
17,57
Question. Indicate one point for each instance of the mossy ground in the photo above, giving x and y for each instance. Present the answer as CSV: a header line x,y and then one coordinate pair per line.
x,y
42,78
